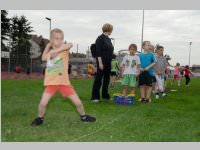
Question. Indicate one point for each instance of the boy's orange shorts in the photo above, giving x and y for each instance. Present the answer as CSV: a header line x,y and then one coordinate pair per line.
x,y
64,90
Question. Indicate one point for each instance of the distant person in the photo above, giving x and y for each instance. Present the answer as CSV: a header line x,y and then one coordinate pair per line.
x,y
43,66
104,52
56,77
18,69
148,61
70,70
187,74
90,69
114,70
130,70
168,72
177,74
182,71
28,70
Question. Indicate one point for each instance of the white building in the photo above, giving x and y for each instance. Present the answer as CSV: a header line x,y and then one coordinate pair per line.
x,y
35,49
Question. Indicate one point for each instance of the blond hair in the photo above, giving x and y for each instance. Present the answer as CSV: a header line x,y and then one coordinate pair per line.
x,y
145,42
56,30
107,27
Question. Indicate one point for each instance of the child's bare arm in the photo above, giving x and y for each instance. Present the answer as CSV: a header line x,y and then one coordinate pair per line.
x,y
156,69
138,70
150,66
64,47
46,51
123,67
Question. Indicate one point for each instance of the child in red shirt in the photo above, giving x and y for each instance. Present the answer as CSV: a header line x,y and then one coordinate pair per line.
x,y
187,74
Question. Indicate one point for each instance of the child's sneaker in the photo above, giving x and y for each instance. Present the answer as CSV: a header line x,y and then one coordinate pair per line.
x,y
37,121
95,101
157,96
147,100
88,118
164,94
143,100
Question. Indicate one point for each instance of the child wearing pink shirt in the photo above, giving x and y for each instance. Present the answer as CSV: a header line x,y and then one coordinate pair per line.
x,y
177,74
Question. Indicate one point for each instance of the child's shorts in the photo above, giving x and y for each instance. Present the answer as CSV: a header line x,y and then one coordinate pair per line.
x,y
129,80
177,77
153,79
145,79
64,90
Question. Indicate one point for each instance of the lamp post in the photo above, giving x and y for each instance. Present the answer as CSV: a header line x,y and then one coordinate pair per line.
x,y
49,19
142,28
190,44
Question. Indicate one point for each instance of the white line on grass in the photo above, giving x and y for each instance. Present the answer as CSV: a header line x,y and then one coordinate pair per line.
x,y
83,136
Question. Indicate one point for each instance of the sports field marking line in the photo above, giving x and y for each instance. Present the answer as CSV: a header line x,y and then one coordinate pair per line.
x,y
83,136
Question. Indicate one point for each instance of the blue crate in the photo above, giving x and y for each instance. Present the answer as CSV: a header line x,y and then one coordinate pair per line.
x,y
122,100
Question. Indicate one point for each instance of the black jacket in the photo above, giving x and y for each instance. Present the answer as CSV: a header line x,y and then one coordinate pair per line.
x,y
104,48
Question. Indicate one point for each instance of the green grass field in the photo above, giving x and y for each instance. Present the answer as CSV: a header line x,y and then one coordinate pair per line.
x,y
175,118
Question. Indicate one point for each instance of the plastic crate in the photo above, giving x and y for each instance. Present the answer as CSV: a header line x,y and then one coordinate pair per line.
x,y
124,100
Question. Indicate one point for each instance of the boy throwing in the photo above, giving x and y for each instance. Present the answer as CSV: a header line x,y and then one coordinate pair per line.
x,y
56,77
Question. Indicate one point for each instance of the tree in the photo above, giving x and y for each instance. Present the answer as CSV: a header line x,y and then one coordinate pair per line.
x,y
5,25
20,36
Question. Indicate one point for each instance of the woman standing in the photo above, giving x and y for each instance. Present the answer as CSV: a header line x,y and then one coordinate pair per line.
x,y
104,52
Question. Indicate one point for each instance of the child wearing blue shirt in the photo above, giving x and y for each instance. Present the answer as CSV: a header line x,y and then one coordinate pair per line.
x,y
148,61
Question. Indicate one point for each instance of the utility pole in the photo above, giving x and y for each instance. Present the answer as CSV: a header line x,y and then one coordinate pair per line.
x,y
190,45
49,19
77,50
142,28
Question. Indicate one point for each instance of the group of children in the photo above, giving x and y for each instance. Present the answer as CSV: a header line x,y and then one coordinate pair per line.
x,y
182,72
148,70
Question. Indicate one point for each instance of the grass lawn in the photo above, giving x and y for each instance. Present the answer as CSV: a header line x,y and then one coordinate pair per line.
x,y
175,118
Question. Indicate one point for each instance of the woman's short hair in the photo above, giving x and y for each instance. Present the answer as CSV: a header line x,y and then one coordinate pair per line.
x,y
107,27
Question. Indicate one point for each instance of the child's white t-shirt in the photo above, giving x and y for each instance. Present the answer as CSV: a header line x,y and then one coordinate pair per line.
x,y
130,63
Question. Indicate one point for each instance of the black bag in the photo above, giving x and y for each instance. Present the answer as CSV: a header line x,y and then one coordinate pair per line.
x,y
93,50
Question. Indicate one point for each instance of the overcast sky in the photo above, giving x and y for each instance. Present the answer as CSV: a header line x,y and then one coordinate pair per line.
x,y
173,29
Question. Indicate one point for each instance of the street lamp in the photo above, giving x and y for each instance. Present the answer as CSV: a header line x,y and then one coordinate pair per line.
x,y
49,19
190,43
142,28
